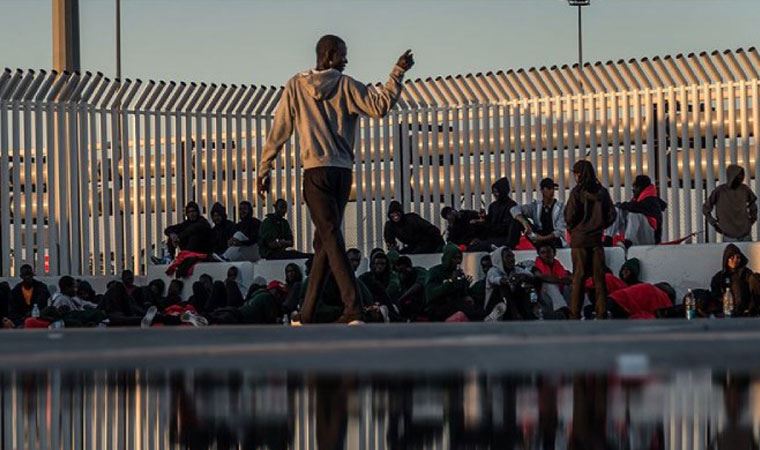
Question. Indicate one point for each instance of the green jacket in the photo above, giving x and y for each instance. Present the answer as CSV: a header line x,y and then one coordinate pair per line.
x,y
273,227
439,286
261,308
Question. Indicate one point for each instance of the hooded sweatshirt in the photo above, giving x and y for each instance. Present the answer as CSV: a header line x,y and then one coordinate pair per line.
x,y
744,285
735,205
441,286
634,265
502,227
589,209
222,231
651,206
416,233
497,272
641,301
323,106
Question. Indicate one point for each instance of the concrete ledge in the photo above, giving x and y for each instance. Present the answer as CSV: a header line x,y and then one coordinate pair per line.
x,y
688,266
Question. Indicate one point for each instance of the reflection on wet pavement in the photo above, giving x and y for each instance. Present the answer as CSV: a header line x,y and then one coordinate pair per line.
x,y
230,410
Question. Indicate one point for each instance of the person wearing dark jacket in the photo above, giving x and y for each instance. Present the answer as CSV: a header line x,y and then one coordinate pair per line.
x,y
243,245
446,288
381,280
412,280
588,212
25,295
643,214
463,226
193,234
416,234
743,283
735,207
223,228
276,236
502,229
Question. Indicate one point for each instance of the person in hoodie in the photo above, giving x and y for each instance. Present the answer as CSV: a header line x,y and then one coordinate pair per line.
x,y
243,245
630,273
478,289
588,212
740,280
411,302
223,228
641,301
416,234
323,106
735,207
501,227
446,289
639,222
543,220
381,280
506,287
192,235
276,236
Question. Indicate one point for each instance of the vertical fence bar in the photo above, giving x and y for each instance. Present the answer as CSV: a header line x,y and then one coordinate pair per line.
x,y
615,147
517,171
709,152
697,148
637,133
487,151
627,140
661,162
379,213
605,147
685,178
561,153
593,151
743,126
675,225
756,142
720,137
426,160
731,103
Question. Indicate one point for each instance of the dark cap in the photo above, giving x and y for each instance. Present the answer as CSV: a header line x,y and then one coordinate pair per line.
x,y
548,183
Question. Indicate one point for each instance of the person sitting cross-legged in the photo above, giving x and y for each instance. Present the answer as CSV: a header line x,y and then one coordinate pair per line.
x,y
411,301
25,295
554,279
276,236
507,288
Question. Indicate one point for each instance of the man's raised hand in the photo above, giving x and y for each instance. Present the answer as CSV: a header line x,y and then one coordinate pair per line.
x,y
263,184
406,61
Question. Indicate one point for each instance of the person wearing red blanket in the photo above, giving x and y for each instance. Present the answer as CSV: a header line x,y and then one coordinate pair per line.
x,y
554,278
640,301
639,222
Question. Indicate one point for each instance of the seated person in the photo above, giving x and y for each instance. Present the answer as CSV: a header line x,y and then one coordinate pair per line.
x,y
613,284
640,301
639,222
354,258
382,283
265,306
416,234
128,280
25,295
293,282
243,245
66,297
501,228
223,229
276,235
411,302
555,280
192,235
329,306
507,288
543,220
478,289
464,226
630,272
446,289
740,280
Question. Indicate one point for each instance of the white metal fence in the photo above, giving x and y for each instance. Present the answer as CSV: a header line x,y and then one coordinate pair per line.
x,y
92,170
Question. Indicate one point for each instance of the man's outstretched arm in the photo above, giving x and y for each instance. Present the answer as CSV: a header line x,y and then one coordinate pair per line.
x,y
378,102
279,133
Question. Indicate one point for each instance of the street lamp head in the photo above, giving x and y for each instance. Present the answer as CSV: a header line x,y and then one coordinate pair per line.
x,y
579,2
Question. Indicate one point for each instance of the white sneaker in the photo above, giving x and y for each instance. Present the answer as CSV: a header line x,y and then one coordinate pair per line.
x,y
497,313
354,323
147,320
194,319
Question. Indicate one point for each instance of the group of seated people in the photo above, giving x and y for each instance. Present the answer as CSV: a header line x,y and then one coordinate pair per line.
x,y
196,240
392,290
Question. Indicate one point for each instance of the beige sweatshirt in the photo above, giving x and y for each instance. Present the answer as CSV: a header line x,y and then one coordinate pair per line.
x,y
325,143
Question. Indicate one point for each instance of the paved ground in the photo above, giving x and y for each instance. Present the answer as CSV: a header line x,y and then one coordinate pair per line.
x,y
518,347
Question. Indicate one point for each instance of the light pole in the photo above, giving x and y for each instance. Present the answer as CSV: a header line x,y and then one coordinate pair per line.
x,y
118,39
580,4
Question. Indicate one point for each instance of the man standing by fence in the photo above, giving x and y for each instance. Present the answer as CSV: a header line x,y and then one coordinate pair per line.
x,y
323,106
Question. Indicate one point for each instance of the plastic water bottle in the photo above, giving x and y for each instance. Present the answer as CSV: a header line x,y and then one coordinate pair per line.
x,y
286,320
35,311
57,324
691,305
728,303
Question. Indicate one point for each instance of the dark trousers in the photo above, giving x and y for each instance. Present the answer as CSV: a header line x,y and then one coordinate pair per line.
x,y
326,191
588,262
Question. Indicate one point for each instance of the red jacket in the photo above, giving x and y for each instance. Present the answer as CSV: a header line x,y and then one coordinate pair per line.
x,y
641,300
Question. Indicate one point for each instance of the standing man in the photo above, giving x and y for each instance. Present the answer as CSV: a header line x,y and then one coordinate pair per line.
x,y
323,106
735,207
589,211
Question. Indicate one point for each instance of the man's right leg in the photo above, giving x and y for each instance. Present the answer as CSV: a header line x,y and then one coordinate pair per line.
x,y
579,275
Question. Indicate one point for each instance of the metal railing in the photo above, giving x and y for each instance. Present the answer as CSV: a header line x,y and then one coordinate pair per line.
x,y
92,170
